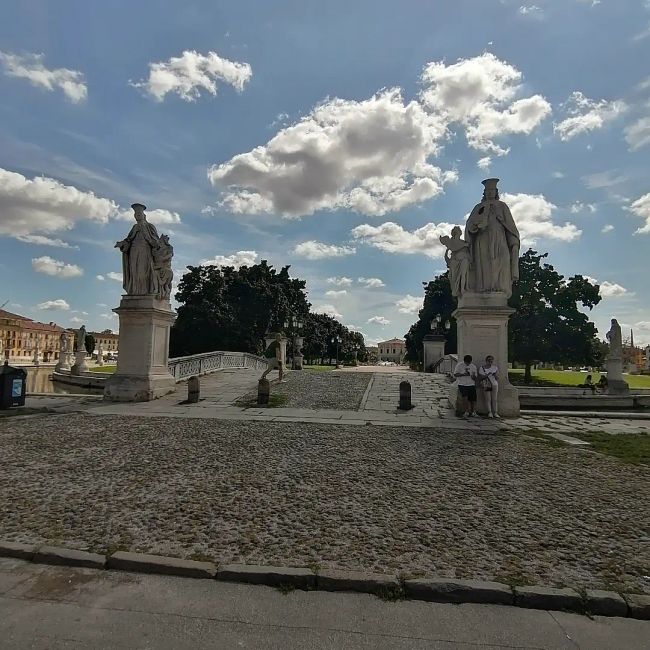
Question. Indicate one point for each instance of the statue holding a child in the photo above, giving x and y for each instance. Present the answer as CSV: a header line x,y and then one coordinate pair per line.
x,y
487,260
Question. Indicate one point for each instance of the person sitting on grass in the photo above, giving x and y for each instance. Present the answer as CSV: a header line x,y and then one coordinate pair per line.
x,y
466,373
588,384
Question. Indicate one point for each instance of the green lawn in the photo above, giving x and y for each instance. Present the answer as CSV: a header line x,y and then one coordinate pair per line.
x,y
109,369
629,447
570,378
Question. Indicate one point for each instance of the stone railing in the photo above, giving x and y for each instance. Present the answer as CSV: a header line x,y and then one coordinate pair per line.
x,y
201,364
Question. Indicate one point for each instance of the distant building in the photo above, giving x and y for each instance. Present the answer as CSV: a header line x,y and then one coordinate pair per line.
x,y
633,357
392,350
107,340
21,336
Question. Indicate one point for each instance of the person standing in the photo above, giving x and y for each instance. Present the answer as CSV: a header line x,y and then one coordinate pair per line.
x,y
465,373
490,383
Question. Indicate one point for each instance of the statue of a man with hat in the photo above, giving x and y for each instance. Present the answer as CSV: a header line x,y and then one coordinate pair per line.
x,y
140,276
494,243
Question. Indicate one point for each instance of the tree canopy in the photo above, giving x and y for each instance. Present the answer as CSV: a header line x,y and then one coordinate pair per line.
x,y
224,308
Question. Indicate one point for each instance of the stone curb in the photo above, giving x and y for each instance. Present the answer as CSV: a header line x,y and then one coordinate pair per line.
x,y
443,590
597,602
538,597
268,575
173,566
68,557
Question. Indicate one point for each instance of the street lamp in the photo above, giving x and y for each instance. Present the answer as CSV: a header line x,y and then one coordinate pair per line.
x,y
337,339
293,326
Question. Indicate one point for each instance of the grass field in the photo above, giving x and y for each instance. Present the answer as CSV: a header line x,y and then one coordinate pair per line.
x,y
570,378
109,369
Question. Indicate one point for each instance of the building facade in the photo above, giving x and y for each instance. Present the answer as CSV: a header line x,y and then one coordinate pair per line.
x,y
107,340
22,337
392,350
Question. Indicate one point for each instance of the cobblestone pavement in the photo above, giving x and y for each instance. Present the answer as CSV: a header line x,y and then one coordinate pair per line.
x,y
417,500
321,390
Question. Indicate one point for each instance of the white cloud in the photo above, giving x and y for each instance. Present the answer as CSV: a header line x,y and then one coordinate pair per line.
x,y
336,294
187,75
372,283
532,214
409,304
393,238
379,320
50,266
41,240
54,305
315,250
531,11
101,278
113,275
75,320
586,115
157,216
607,228
479,93
579,206
328,310
613,290
371,156
641,208
637,135
484,163
602,180
340,282
30,67
237,260
558,175
45,205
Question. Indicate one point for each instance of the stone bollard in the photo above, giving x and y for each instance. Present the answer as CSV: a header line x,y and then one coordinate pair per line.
x,y
405,396
263,392
193,390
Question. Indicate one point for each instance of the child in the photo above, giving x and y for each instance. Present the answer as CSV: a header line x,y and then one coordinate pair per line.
x,y
458,258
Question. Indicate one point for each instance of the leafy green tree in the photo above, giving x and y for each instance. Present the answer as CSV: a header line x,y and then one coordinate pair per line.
x,y
319,331
548,324
437,300
231,309
89,343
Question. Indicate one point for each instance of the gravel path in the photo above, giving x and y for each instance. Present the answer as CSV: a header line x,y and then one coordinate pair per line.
x,y
387,499
320,390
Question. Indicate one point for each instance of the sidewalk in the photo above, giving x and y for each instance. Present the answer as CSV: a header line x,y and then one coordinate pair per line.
x,y
52,608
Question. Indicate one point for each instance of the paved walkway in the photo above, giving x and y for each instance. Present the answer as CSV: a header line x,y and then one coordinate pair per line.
x,y
59,607
220,391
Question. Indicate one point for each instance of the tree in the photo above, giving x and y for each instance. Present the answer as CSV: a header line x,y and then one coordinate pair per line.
x,y
319,331
437,300
89,343
548,324
231,309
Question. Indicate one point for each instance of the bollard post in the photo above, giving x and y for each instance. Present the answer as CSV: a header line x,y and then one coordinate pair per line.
x,y
193,390
405,396
263,391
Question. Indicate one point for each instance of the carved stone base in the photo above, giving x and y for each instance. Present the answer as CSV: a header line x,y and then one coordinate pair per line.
x,y
482,327
617,387
79,366
63,363
434,350
142,374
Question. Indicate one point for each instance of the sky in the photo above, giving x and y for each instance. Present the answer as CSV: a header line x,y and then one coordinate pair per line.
x,y
342,138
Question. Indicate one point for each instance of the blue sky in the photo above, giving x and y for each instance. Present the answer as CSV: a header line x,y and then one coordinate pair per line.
x,y
342,138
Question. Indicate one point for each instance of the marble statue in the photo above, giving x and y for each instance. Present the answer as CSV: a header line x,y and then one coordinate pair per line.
x,y
493,241
81,338
64,341
458,259
615,339
146,259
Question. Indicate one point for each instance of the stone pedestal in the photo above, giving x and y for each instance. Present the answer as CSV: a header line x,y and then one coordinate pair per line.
x,y
482,327
297,352
434,350
63,363
79,366
616,385
142,374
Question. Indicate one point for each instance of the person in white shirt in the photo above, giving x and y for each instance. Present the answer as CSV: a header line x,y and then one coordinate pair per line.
x,y
489,374
465,373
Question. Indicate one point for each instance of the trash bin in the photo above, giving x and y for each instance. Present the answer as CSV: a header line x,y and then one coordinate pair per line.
x,y
13,385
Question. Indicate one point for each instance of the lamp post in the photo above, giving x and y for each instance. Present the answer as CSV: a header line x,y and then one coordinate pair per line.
x,y
293,326
337,339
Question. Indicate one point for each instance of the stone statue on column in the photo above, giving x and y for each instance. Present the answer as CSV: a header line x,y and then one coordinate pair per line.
x,y
616,385
482,270
145,315
80,366
64,353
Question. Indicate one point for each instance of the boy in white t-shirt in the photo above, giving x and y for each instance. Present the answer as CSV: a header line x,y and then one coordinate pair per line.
x,y
466,373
